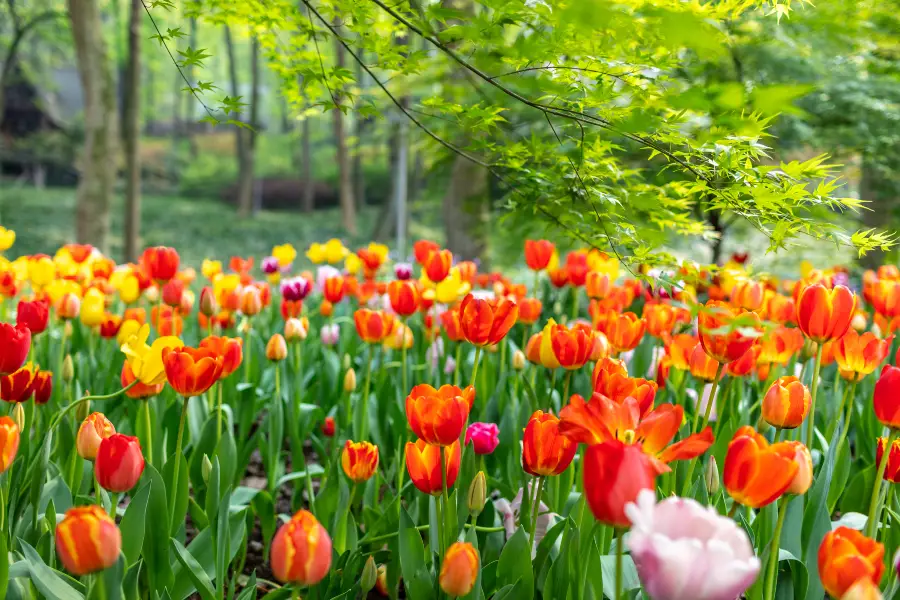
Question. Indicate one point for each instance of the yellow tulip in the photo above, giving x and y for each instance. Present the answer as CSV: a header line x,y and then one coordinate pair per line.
x,y
600,262
93,308
316,253
548,358
129,288
57,288
335,251
128,328
452,288
211,268
380,249
7,238
146,360
400,335
284,254
41,271
224,285
352,264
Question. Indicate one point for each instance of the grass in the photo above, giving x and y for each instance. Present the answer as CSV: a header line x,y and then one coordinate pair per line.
x,y
200,228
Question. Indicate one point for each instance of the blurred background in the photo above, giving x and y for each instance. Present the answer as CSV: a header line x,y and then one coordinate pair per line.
x,y
266,164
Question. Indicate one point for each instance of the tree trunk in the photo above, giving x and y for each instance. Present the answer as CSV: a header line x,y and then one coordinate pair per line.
x,y
249,166
874,188
132,135
465,209
309,201
361,124
98,160
188,131
348,205
242,139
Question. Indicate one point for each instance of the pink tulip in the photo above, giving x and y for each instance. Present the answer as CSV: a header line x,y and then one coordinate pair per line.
x,y
485,437
330,334
686,551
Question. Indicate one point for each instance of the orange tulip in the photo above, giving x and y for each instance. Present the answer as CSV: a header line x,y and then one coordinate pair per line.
x,y
615,384
422,249
886,398
87,540
68,306
452,327
467,271
459,569
719,335
545,451
93,430
423,461
680,349
359,460
437,265
600,349
824,314
847,556
624,331
803,479
748,294
404,297
755,473
886,297
746,363
786,403
597,285
139,390
558,277
276,348
19,385
485,323
577,267
863,589
301,550
230,349
79,252
614,475
533,348
702,365
333,289
250,301
660,319
779,344
859,355
538,254
892,472
529,310
780,309
438,416
571,347
191,371
373,325
160,263
172,292
9,442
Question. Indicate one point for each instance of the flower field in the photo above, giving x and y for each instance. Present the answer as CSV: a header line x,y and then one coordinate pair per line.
x,y
335,424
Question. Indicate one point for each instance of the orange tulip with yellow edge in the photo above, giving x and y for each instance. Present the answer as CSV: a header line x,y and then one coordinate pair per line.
x,y
756,473
624,331
825,314
87,540
484,322
359,460
660,319
423,462
438,416
859,355
191,371
721,334
545,451
373,325
301,550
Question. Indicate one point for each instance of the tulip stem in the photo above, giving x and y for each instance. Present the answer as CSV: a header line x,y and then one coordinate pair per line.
x,y
772,573
98,496
458,365
620,534
177,456
709,403
445,499
475,366
811,423
874,517
403,375
566,381
113,504
535,511
848,402
83,399
364,426
382,538
148,431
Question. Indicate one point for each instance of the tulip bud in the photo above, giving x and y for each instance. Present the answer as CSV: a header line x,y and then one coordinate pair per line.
x,y
294,330
152,294
276,349
68,369
349,380
347,361
83,410
858,322
67,329
119,463
518,360
712,476
897,561
93,430
208,304
19,416
477,494
369,576
205,468
328,427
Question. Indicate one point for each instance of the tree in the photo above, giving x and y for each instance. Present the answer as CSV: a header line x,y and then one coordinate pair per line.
x,y
345,168
245,136
22,26
98,159
131,134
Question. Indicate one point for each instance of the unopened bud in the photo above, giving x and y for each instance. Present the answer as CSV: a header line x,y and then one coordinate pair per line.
x,y
68,369
208,304
67,329
294,330
518,361
152,294
369,576
712,476
276,349
83,409
205,468
347,361
19,417
349,380
477,494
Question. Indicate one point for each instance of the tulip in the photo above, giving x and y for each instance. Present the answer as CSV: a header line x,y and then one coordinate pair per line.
x,y
15,343
87,540
459,569
230,349
296,330
484,322
276,348
518,360
328,427
824,314
780,309
624,331
859,355
686,551
755,473
172,292
160,263
847,556
545,450
250,301
748,294
41,270
886,398
119,463
558,277
477,496
571,347
301,550
529,311
109,327
892,470
9,442
359,460
208,304
34,315
730,345
333,289
404,297
614,475
680,349
438,416
423,462
139,390
93,430
863,589
403,271
437,265
614,384
18,386
146,361
373,326
296,288
422,249
804,477
330,334
484,436
597,285
191,371
7,239
786,403
42,387
538,254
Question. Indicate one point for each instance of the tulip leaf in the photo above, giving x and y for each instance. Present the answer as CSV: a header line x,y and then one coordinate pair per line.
x,y
794,582
412,560
194,571
132,525
178,491
856,495
630,579
840,477
313,470
817,520
249,591
201,549
112,582
156,539
47,581
515,564
4,567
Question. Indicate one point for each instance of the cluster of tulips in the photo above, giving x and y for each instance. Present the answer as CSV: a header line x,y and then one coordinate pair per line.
x,y
175,434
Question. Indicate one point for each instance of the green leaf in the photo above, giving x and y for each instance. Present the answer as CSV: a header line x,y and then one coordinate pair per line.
x,y
817,521
412,560
132,524
201,548
178,499
630,579
156,538
198,576
47,581
515,564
